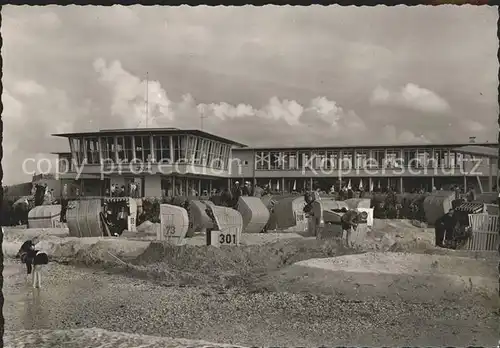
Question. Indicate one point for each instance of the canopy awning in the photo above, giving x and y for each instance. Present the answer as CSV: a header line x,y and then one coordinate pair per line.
x,y
480,151
75,176
116,199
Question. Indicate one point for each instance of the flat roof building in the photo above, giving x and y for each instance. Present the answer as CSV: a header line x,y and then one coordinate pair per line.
x,y
172,161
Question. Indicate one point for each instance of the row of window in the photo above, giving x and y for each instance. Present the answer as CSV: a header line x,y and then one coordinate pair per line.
x,y
154,149
357,159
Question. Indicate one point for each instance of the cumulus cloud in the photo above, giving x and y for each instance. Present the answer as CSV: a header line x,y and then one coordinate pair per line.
x,y
277,122
28,87
31,114
393,135
128,94
410,96
223,110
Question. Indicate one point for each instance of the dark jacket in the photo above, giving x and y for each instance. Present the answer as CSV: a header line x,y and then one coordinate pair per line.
x,y
349,219
245,191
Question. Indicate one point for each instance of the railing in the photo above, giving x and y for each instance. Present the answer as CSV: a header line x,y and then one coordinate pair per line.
x,y
485,235
312,166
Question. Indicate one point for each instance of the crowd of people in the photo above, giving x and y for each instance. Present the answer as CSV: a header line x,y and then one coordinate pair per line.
x,y
122,191
386,205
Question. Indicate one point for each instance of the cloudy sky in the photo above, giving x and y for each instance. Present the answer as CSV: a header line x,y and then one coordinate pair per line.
x,y
260,75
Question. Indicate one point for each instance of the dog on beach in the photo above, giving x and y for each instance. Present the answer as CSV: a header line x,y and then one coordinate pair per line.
x,y
34,260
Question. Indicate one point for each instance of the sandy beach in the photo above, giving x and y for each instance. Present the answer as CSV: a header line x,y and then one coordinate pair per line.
x,y
73,298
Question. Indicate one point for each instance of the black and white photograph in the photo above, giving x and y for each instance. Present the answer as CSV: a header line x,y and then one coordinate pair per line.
x,y
250,176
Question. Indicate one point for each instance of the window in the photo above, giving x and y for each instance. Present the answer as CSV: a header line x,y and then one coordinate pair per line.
x,y
223,155
129,151
209,145
319,158
324,160
76,145
459,158
198,151
378,158
304,159
276,160
124,148
215,155
410,158
218,155
204,152
146,143
333,160
361,159
290,161
161,146
120,149
190,148
447,158
92,150
438,158
347,162
391,159
179,148
262,160
423,157
227,155
220,152
211,155
211,152
108,148
142,148
138,155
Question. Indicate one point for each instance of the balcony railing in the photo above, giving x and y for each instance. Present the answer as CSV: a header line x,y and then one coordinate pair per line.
x,y
394,166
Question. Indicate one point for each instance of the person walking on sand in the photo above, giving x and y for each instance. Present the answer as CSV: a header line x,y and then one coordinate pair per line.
x,y
349,225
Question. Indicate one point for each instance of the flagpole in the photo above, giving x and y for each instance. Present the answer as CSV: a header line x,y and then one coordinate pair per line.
x,y
147,99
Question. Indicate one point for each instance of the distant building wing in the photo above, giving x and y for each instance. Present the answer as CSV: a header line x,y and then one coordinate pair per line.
x,y
476,150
